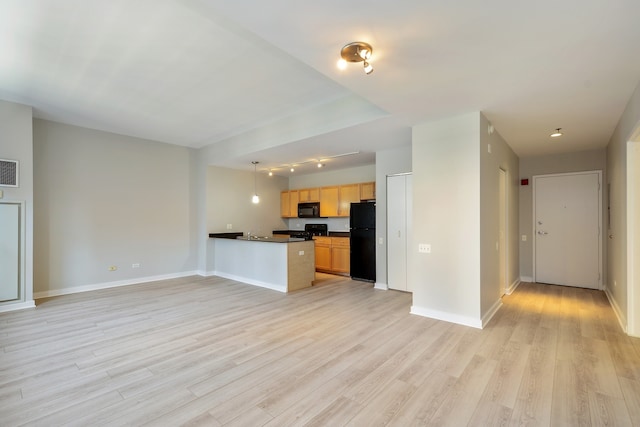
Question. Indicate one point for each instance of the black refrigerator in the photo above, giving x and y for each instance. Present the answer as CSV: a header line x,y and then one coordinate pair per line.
x,y
363,241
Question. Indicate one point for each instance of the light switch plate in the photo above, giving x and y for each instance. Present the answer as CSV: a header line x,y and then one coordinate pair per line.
x,y
424,248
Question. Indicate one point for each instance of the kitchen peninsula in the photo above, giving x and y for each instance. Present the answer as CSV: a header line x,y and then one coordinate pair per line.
x,y
281,264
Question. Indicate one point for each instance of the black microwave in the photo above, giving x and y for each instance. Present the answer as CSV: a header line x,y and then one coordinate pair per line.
x,y
309,210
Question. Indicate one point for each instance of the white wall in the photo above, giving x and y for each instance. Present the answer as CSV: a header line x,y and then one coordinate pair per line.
x,y
617,180
541,165
633,244
16,143
388,162
105,199
446,215
500,157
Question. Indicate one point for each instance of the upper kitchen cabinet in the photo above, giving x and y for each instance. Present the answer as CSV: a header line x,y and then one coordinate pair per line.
x,y
289,204
329,201
309,195
348,194
368,191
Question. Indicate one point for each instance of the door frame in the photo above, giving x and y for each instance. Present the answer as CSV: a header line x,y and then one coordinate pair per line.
x,y
503,228
21,253
600,216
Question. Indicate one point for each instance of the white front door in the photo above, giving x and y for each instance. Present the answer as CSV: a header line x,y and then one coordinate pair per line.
x,y
567,229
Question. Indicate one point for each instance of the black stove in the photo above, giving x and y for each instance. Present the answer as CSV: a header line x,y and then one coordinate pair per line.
x,y
316,229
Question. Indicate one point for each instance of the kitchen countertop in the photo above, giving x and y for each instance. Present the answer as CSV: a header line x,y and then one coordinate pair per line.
x,y
270,239
330,233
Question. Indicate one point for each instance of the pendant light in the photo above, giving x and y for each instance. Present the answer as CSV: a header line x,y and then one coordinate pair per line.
x,y
255,198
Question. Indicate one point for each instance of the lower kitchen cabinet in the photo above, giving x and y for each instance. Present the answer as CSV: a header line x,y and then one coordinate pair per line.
x,y
332,255
323,253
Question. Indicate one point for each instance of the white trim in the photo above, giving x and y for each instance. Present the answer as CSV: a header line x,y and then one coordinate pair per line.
x,y
513,286
381,286
272,286
616,309
107,285
447,317
492,311
206,273
17,306
600,216
526,279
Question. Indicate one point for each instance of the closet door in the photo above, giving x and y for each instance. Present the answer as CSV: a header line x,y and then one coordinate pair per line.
x,y
398,227
9,251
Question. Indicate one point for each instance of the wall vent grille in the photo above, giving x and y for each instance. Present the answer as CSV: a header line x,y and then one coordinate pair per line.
x,y
8,173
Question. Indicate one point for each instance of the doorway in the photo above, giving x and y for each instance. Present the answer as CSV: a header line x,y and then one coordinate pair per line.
x,y
567,225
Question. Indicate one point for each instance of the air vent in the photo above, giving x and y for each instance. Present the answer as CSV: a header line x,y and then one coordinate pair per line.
x,y
8,173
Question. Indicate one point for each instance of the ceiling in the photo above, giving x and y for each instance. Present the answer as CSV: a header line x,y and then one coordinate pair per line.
x,y
258,81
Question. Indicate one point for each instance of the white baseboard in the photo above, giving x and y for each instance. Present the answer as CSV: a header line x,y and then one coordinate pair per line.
x,y
107,285
447,317
616,309
492,311
381,286
272,286
527,279
204,273
17,306
513,286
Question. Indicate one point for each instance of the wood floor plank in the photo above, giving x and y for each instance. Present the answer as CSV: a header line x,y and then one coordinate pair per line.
x,y
212,351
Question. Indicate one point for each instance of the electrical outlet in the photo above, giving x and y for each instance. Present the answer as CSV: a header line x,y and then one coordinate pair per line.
x,y
112,268
229,226
424,248
300,253
524,237
135,265
381,241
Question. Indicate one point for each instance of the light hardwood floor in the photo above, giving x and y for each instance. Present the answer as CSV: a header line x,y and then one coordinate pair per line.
x,y
210,351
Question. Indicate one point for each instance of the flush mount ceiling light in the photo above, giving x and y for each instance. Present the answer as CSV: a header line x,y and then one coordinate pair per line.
x,y
255,198
556,134
356,52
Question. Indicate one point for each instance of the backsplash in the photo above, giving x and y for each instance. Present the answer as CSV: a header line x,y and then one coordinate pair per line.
x,y
333,224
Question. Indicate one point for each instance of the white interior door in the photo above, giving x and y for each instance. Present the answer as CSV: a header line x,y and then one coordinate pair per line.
x,y
567,229
397,223
9,251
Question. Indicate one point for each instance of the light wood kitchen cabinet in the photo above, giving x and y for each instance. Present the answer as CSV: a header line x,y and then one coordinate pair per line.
x,y
323,253
368,191
333,254
340,255
293,203
329,201
284,204
289,204
348,194
309,195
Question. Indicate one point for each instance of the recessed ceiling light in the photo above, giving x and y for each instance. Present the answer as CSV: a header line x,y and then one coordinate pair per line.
x,y
556,134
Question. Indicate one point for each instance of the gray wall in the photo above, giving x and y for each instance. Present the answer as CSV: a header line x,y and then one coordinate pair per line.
x,y
16,143
501,157
541,165
617,180
446,215
229,193
105,199
388,162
